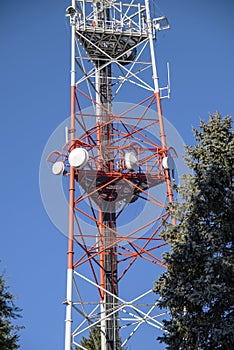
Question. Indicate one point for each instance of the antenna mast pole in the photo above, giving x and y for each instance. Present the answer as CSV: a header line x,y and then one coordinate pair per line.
x,y
70,252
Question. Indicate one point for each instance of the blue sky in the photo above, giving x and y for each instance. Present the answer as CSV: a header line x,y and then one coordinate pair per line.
x,y
34,99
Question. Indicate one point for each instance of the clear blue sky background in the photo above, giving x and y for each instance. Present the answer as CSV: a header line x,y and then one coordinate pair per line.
x,y
34,99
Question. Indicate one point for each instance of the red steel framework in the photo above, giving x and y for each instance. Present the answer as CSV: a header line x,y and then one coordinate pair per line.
x,y
109,185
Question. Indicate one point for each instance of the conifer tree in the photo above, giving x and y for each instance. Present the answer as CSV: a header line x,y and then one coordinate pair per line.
x,y
198,286
8,312
93,342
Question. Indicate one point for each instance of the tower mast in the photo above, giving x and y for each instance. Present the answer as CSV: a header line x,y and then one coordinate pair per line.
x,y
117,164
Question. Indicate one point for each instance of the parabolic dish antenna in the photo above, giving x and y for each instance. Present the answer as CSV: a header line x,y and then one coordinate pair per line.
x,y
78,158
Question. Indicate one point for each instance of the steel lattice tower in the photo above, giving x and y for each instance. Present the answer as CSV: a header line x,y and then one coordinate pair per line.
x,y
112,160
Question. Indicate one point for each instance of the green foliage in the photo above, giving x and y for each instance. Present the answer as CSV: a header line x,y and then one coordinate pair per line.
x,y
198,287
8,312
93,342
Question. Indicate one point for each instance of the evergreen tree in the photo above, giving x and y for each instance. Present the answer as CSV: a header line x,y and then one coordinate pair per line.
x,y
198,286
8,312
93,342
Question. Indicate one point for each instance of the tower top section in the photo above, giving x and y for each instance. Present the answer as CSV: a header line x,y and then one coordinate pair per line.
x,y
111,16
111,29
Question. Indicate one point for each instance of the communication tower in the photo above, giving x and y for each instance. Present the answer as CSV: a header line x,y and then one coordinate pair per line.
x,y
117,167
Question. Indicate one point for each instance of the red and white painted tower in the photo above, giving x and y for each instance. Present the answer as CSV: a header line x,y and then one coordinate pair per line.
x,y
118,166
